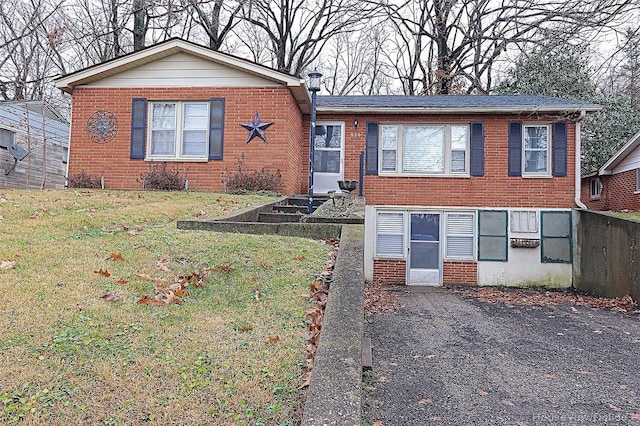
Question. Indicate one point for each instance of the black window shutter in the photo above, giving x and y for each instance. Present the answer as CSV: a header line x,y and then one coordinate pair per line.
x,y
477,149
216,128
372,148
515,148
560,148
138,128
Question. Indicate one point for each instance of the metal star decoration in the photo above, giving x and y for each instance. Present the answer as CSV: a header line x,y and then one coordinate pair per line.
x,y
257,128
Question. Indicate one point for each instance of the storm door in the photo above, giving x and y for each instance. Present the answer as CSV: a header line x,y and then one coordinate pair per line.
x,y
328,157
424,266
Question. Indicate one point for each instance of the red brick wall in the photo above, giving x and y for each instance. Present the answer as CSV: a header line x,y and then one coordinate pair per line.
x,y
112,159
595,203
390,271
460,273
394,272
622,188
494,189
618,193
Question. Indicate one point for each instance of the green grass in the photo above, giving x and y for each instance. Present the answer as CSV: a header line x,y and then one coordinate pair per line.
x,y
69,357
627,215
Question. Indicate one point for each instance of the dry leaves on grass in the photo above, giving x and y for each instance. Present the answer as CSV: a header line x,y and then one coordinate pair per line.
x,y
533,297
380,299
166,294
319,290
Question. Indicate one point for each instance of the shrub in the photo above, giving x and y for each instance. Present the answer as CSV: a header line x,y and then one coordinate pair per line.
x,y
259,180
84,180
159,178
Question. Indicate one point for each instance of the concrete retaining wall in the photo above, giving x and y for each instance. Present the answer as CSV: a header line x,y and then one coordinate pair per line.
x,y
334,396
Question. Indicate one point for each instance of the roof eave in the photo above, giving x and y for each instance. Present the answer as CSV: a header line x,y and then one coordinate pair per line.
x,y
452,110
622,153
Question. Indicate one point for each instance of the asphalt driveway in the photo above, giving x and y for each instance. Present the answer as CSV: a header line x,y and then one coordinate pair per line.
x,y
447,359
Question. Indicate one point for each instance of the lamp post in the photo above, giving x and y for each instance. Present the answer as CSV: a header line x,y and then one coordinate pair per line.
x,y
314,87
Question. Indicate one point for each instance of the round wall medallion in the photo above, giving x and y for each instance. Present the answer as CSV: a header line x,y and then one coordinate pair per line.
x,y
102,126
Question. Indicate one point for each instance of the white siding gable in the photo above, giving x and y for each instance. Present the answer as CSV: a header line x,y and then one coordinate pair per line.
x,y
183,70
631,162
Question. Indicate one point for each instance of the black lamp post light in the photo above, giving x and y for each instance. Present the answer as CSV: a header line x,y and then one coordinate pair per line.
x,y
314,87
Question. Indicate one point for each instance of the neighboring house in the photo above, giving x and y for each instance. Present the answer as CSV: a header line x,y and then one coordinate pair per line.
x,y
616,186
459,189
34,139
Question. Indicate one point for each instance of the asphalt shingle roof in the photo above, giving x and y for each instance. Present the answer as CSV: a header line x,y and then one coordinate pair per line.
x,y
454,102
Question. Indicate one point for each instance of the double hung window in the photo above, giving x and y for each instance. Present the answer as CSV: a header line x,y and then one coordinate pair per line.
x,y
431,149
179,130
535,150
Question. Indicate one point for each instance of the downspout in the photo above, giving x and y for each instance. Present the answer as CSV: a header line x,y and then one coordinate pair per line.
x,y
578,173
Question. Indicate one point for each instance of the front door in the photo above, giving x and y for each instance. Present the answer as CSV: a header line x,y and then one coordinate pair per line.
x,y
328,157
425,261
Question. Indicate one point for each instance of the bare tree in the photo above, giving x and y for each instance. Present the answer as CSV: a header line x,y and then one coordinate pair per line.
x,y
298,30
29,37
140,23
453,45
352,63
216,17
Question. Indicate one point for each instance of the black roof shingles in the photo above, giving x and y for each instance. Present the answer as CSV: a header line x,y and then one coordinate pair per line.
x,y
451,101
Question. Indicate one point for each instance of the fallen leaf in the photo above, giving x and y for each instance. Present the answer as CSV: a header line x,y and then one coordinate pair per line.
x,y
111,297
300,258
163,265
102,272
425,401
483,393
273,339
121,281
307,380
35,215
635,416
116,256
549,376
574,309
7,264
615,408
145,277
597,331
430,356
378,423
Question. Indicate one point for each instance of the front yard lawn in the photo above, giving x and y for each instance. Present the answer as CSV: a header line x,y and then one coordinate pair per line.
x,y
230,353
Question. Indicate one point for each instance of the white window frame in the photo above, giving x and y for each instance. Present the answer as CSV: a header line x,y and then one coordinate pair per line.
x,y
448,151
547,172
637,181
178,133
471,235
595,186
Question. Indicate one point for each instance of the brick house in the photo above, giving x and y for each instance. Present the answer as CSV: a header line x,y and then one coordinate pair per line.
x,y
459,189
616,185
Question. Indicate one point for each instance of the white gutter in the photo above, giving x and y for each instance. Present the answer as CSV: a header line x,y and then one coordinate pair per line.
x,y
578,181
